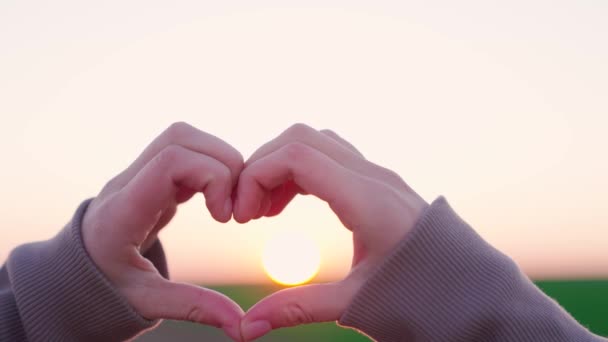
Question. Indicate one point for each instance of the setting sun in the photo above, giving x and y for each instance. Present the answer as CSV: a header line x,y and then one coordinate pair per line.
x,y
291,258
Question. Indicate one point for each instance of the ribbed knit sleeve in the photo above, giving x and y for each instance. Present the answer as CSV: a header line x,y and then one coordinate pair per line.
x,y
445,283
52,291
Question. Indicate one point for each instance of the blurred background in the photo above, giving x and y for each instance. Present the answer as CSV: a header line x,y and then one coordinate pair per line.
x,y
499,106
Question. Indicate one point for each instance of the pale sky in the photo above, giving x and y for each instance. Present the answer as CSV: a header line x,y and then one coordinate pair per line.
x,y
500,106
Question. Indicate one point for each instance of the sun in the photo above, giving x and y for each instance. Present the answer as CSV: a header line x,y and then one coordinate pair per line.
x,y
291,258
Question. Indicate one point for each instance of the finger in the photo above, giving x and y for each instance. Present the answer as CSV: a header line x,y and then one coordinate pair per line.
x,y
141,202
334,147
184,194
283,195
165,218
296,306
312,171
264,207
185,302
304,134
325,141
191,138
341,141
385,174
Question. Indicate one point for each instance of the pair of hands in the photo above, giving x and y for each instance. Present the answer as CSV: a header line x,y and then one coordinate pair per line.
x,y
123,221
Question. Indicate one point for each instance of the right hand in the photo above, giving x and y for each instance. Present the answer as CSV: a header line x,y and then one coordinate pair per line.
x,y
123,221
371,201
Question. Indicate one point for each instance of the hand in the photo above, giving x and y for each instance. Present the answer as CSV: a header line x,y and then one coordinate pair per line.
x,y
123,221
371,201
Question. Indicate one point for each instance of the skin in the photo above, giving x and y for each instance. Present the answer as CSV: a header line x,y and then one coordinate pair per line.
x,y
123,221
374,203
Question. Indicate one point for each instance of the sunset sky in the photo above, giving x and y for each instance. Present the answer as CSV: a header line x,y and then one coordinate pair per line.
x,y
502,107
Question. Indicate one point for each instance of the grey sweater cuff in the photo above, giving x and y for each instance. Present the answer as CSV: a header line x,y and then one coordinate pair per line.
x,y
62,296
445,283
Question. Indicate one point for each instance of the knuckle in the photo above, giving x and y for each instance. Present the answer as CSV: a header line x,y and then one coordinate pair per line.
x,y
113,185
238,158
391,174
236,162
167,156
393,177
177,130
194,314
295,314
329,132
298,131
296,150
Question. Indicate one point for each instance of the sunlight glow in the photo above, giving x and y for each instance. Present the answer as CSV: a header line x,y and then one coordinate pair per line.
x,y
291,258
502,109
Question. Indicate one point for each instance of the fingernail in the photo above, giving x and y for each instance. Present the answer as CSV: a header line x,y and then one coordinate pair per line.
x,y
228,208
253,330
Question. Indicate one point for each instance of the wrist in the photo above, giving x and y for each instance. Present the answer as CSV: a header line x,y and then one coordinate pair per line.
x,y
79,303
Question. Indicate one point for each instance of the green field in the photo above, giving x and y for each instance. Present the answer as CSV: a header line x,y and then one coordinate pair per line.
x,y
586,300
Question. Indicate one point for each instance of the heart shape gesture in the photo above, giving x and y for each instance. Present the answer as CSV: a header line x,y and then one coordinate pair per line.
x,y
122,223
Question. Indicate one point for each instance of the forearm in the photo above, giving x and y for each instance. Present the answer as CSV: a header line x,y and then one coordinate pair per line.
x,y
52,290
11,328
445,283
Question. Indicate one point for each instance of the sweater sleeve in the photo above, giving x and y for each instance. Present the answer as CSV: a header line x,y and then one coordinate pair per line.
x,y
445,283
52,291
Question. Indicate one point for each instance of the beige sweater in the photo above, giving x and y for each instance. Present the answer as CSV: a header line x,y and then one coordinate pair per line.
x,y
442,283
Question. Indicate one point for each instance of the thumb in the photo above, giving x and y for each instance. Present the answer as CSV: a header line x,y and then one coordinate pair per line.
x,y
186,302
295,306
